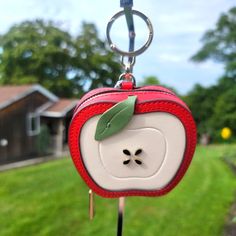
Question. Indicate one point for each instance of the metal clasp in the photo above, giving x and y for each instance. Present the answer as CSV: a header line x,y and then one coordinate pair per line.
x,y
125,77
128,67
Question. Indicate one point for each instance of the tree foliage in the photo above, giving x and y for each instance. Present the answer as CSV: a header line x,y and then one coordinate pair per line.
x,y
41,52
215,107
150,80
225,111
153,80
219,43
200,101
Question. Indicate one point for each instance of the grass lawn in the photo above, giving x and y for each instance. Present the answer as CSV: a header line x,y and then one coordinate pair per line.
x,y
50,199
229,155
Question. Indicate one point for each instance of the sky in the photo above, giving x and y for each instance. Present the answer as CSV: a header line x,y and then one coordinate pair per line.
x,y
178,27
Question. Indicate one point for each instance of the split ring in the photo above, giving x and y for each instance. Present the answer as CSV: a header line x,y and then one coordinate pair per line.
x,y
138,51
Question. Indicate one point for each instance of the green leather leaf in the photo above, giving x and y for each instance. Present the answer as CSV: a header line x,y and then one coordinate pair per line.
x,y
115,119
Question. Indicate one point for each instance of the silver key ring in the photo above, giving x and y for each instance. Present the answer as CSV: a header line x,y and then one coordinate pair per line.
x,y
138,51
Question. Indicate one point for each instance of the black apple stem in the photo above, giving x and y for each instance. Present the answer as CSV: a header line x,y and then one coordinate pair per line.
x,y
120,216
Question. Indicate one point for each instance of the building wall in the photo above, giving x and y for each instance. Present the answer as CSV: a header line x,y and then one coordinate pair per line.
x,y
58,130
13,128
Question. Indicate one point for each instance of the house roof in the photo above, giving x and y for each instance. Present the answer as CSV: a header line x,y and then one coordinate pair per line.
x,y
60,108
11,94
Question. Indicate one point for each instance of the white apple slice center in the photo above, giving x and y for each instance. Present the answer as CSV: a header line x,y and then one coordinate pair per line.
x,y
150,141
160,136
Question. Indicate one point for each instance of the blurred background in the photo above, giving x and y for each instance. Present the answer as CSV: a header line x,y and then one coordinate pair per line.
x,y
53,52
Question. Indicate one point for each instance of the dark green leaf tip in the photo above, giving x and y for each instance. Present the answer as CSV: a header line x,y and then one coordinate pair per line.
x,y
115,119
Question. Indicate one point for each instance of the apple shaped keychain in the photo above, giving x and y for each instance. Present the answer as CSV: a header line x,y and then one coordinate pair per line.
x,y
128,140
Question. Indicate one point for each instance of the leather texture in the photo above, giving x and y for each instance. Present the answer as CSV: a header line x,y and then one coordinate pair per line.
x,y
162,127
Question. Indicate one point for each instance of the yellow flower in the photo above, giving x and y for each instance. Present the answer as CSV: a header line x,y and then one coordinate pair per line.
x,y
226,133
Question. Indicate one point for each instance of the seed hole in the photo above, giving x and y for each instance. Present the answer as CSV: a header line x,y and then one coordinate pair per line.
x,y
126,152
138,152
126,162
138,162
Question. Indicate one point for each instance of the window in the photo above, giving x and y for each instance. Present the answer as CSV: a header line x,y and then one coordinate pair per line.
x,y
33,124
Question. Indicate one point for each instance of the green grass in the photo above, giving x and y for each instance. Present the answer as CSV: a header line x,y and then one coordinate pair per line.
x,y
229,154
50,199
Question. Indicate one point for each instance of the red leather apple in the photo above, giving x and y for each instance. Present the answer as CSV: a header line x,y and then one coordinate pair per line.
x,y
132,142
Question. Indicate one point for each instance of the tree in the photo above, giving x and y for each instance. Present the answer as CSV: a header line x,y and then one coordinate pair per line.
x,y
224,112
153,80
214,107
150,80
200,101
101,67
219,44
41,52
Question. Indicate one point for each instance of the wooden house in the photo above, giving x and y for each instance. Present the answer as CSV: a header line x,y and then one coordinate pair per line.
x,y
33,122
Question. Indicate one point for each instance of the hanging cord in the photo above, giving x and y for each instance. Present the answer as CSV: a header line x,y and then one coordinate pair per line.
x,y
127,5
